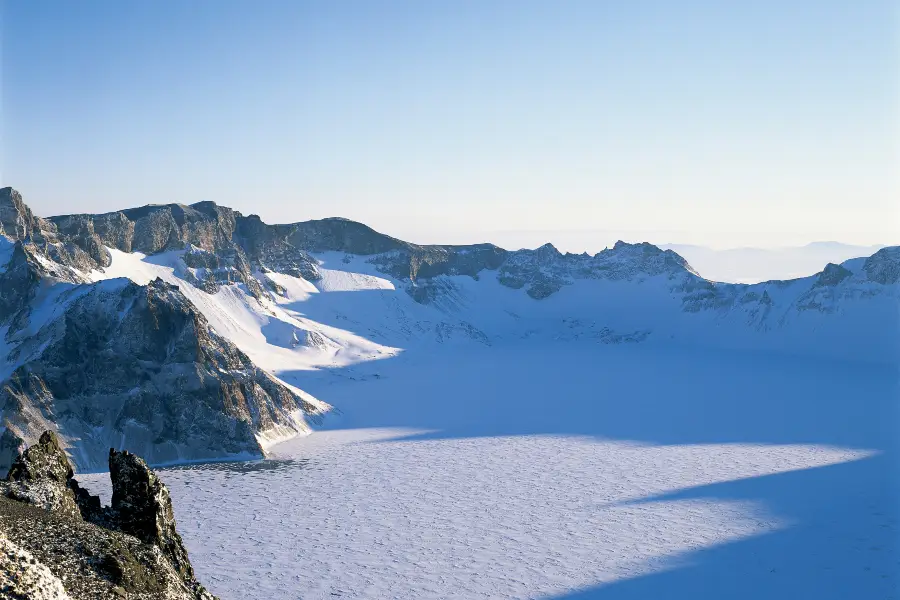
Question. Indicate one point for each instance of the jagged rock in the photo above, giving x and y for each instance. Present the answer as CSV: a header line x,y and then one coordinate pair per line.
x,y
17,222
142,507
884,266
18,282
44,460
39,477
130,547
142,361
42,494
226,247
545,270
89,506
832,275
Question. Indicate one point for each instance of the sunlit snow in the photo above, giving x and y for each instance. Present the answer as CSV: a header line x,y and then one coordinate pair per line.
x,y
563,470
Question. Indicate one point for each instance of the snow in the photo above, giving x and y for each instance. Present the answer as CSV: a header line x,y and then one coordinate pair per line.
x,y
262,331
487,445
563,470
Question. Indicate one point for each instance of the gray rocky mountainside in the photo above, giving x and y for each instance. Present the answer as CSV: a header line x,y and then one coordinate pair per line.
x,y
58,542
136,363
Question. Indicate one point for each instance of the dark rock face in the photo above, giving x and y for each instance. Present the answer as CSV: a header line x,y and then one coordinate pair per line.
x,y
545,270
141,507
16,220
81,233
19,281
832,275
39,477
227,247
10,446
417,263
155,228
119,360
142,360
884,266
94,551
338,235
44,460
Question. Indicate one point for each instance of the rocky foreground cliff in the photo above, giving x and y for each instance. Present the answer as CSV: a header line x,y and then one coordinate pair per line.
x,y
57,542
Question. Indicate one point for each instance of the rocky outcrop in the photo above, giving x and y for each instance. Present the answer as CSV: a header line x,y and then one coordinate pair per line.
x,y
44,461
545,270
134,362
832,275
883,267
17,222
129,549
113,361
39,476
141,507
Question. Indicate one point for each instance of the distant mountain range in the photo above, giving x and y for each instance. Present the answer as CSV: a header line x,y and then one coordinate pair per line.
x,y
753,265
184,332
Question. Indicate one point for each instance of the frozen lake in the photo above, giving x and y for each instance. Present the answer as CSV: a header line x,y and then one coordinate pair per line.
x,y
569,470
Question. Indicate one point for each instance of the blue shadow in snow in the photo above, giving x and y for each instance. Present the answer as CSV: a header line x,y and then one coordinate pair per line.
x,y
840,546
840,534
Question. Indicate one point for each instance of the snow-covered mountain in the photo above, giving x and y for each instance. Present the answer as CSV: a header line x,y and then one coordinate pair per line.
x,y
184,332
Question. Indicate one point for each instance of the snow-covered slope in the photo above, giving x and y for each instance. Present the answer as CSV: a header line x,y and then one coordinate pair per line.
x,y
264,305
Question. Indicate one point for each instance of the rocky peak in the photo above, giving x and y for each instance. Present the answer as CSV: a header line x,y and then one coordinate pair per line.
x,y
17,283
832,275
547,252
16,219
152,228
17,222
884,266
142,363
648,258
44,460
39,476
142,507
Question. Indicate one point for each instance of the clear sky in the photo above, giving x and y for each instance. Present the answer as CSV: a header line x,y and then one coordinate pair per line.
x,y
726,123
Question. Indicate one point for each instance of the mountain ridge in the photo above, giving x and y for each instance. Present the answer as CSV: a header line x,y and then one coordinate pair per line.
x,y
200,311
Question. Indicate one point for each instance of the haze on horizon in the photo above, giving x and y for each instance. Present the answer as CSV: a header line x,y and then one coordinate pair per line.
x,y
762,125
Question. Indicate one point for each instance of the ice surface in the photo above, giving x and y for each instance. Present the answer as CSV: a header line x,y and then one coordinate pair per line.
x,y
564,470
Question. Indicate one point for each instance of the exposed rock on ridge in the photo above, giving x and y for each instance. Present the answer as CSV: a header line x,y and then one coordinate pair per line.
x,y
224,246
141,361
112,360
130,549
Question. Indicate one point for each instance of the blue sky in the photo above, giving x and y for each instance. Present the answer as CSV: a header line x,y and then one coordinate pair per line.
x,y
705,122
